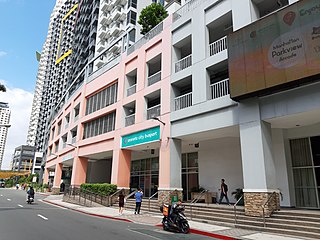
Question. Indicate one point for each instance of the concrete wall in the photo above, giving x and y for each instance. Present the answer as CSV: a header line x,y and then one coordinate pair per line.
x,y
217,161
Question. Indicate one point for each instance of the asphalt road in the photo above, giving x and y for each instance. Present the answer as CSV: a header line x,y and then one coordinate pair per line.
x,y
21,221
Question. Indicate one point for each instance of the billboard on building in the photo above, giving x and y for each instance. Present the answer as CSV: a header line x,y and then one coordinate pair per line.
x,y
276,50
62,51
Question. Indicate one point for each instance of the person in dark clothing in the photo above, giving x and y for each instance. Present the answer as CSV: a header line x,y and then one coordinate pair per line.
x,y
121,202
138,197
223,192
62,187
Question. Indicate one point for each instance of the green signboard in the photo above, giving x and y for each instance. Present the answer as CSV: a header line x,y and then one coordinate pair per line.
x,y
141,137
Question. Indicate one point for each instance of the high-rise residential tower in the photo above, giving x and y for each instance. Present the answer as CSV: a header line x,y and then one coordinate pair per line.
x,y
4,123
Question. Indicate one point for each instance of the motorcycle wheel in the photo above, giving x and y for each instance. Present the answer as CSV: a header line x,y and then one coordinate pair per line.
x,y
185,228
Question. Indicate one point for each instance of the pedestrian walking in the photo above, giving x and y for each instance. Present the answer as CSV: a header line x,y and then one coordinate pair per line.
x,y
121,199
138,196
223,192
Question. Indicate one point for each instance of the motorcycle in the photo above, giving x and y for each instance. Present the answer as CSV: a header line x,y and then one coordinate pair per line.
x,y
30,199
176,221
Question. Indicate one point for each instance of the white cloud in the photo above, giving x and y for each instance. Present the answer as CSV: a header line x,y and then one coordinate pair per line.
x,y
20,103
2,53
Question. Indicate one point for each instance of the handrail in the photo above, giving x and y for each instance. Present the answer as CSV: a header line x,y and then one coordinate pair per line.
x,y
131,194
111,196
194,201
263,208
150,200
235,209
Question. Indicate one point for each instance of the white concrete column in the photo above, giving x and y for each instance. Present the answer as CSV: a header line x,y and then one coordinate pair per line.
x,y
256,149
244,12
282,166
199,50
175,163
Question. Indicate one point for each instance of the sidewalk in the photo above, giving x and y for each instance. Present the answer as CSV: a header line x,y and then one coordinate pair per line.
x,y
216,231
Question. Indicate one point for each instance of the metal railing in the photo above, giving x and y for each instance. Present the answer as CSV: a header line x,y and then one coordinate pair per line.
x,y
274,194
189,6
149,199
154,78
85,197
235,209
183,63
218,46
219,89
194,201
148,36
153,111
183,101
130,194
114,194
130,120
131,90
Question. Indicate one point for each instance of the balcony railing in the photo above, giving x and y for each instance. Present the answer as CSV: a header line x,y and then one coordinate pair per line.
x,y
183,101
154,78
148,36
219,89
183,63
218,46
131,90
189,6
153,111
130,120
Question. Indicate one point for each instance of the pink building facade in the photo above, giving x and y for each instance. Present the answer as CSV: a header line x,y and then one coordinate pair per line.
x,y
116,127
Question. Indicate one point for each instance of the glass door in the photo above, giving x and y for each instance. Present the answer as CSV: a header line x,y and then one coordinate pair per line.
x,y
190,174
305,156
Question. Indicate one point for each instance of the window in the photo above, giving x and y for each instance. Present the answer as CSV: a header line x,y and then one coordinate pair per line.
x,y
131,17
102,99
99,126
132,3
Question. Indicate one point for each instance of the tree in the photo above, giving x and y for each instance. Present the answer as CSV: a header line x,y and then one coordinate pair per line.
x,y
2,88
151,16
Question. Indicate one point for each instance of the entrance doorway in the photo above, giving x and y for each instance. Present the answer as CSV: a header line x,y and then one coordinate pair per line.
x,y
145,174
190,174
305,153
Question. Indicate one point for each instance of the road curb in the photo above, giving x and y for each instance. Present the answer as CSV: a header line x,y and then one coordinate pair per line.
x,y
195,231
207,234
87,213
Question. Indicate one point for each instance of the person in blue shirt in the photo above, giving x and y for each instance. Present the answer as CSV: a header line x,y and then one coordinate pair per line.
x,y
138,196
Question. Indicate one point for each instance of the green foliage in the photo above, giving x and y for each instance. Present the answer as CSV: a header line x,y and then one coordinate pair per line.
x,y
9,183
151,16
100,188
2,88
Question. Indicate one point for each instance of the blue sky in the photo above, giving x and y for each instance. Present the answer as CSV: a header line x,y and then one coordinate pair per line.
x,y
23,28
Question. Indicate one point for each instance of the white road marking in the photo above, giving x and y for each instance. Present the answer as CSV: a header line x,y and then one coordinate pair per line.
x,y
163,232
44,218
8,199
143,234
1,195
20,205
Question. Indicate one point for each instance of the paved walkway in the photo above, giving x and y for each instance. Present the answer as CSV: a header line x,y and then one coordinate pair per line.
x,y
148,219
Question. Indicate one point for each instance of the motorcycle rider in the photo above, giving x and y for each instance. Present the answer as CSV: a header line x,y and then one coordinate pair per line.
x,y
172,215
30,193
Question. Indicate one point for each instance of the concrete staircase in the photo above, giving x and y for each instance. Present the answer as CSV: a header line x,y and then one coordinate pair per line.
x,y
304,224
